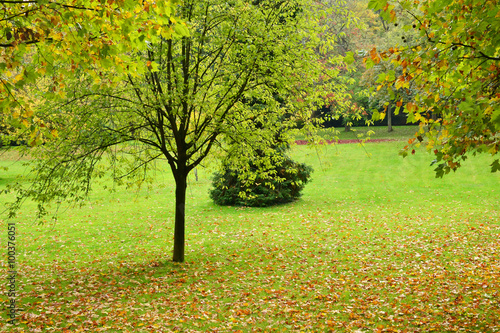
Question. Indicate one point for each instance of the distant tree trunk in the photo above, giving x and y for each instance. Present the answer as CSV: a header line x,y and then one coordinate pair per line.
x,y
347,128
180,213
389,120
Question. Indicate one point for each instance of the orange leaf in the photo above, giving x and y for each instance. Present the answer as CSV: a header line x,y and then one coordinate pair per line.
x,y
393,15
411,107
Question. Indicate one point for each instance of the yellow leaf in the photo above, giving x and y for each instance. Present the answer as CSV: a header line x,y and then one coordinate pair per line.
x,y
401,83
28,113
18,78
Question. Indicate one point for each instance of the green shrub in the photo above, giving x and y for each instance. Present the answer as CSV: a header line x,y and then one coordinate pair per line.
x,y
285,185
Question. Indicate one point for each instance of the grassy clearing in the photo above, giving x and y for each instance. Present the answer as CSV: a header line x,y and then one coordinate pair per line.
x,y
375,244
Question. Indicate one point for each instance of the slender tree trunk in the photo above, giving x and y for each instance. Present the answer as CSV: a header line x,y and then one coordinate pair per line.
x,y
389,120
180,215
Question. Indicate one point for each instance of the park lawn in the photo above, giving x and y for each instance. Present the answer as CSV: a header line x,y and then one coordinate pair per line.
x,y
375,244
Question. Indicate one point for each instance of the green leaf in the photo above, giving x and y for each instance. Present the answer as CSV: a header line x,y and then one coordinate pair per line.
x,y
391,75
181,30
467,106
349,58
377,4
381,78
495,117
369,63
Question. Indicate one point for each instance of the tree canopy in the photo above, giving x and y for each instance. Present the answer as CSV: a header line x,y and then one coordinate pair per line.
x,y
453,69
188,95
51,40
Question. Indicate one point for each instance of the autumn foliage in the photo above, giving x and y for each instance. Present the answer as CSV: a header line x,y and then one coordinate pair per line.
x,y
52,41
454,70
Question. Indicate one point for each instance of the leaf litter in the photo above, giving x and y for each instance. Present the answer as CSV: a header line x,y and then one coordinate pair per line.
x,y
334,271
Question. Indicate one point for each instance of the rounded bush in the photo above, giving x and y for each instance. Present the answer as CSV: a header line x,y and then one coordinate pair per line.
x,y
285,186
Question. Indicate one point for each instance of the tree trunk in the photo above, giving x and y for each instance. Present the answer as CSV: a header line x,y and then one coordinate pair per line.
x,y
389,120
347,128
180,215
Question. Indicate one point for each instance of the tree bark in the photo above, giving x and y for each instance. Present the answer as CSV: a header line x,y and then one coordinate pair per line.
x,y
180,215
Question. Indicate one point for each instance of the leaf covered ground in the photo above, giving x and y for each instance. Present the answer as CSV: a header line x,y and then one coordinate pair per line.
x,y
382,247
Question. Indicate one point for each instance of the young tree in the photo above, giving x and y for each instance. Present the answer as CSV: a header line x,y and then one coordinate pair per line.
x,y
190,99
454,69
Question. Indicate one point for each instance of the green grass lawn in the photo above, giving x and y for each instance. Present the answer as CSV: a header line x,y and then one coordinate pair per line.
x,y
376,244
